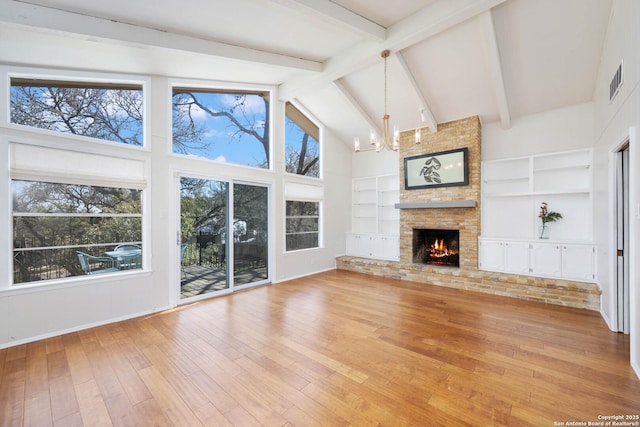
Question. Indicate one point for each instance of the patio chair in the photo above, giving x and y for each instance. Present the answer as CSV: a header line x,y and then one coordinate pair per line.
x,y
88,263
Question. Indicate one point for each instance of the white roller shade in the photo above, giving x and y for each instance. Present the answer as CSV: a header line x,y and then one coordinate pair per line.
x,y
303,192
72,167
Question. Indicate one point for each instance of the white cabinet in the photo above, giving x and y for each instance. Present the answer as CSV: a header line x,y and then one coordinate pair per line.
x,y
578,262
378,246
571,261
358,245
516,257
491,255
545,260
375,221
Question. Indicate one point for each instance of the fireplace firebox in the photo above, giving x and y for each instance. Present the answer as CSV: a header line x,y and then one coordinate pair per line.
x,y
436,247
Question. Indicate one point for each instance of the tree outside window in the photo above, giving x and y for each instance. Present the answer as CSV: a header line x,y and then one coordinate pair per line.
x,y
230,127
302,225
302,149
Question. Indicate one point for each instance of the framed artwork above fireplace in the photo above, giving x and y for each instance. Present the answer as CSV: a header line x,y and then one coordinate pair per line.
x,y
442,169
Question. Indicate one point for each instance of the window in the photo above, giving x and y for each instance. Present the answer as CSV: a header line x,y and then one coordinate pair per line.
x,y
112,112
227,126
302,227
62,230
302,149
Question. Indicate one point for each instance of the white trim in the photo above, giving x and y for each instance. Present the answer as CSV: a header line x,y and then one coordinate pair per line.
x,y
286,279
81,327
612,321
78,76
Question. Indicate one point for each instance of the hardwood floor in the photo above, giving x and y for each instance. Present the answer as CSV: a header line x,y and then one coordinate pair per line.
x,y
334,349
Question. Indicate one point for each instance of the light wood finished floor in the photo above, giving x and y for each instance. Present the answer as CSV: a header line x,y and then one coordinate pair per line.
x,y
334,349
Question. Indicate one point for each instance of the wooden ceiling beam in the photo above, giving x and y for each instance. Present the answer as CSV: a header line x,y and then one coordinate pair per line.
x,y
427,22
63,22
335,14
495,68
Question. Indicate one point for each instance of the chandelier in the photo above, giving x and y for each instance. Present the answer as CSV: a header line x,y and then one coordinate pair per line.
x,y
388,141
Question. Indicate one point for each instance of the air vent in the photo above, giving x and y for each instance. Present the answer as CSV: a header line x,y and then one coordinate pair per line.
x,y
616,82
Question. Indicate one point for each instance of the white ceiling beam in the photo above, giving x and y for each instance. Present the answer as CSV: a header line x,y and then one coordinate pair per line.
x,y
22,14
425,111
427,22
357,107
335,14
495,68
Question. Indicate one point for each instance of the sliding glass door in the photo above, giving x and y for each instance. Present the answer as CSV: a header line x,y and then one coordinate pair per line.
x,y
211,242
250,234
204,211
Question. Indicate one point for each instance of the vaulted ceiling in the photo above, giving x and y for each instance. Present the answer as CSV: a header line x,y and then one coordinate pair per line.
x,y
499,59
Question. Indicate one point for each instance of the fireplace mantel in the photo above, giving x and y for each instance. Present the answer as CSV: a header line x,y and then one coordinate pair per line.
x,y
438,204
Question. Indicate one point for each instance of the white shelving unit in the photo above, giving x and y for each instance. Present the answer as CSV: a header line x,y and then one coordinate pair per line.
x,y
512,193
375,221
513,190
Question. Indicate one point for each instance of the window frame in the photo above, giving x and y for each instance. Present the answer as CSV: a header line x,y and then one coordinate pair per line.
x,y
14,215
313,120
318,232
222,87
65,142
80,78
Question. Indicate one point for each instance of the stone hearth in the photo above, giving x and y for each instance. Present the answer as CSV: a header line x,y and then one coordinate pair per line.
x,y
458,207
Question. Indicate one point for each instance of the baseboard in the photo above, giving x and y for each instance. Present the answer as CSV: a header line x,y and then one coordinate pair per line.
x,y
80,328
286,279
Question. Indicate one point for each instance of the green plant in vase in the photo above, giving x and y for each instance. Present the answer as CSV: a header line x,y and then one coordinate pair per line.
x,y
546,216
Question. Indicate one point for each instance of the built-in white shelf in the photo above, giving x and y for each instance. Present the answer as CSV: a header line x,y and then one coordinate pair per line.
x,y
513,190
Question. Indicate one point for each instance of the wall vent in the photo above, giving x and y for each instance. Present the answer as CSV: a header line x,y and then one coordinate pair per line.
x,y
616,82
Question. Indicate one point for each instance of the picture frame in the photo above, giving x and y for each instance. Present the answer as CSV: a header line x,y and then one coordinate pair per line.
x,y
442,169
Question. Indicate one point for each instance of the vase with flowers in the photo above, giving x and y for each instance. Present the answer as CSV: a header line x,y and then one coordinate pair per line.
x,y
546,216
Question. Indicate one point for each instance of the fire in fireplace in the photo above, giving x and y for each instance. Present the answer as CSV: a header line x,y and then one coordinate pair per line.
x,y
437,247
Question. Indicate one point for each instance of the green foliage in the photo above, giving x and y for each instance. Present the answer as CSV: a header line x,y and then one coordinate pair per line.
x,y
548,216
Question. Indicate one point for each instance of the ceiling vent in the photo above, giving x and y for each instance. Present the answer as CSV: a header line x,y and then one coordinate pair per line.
x,y
616,82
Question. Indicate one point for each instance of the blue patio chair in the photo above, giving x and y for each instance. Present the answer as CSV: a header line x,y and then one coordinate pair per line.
x,y
96,264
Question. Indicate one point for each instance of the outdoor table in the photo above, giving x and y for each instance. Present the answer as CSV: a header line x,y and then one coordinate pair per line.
x,y
126,259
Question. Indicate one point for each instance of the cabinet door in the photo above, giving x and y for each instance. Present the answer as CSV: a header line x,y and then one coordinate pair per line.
x,y
516,257
546,260
491,256
385,247
578,262
358,245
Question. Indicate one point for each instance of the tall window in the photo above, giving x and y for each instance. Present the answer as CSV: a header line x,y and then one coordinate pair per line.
x,y
62,230
227,126
112,112
302,227
302,149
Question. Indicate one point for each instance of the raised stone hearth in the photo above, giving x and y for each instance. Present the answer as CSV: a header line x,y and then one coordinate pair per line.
x,y
458,208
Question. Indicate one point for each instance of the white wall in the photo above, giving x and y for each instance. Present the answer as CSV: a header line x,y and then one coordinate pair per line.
x,y
612,127
36,311
563,129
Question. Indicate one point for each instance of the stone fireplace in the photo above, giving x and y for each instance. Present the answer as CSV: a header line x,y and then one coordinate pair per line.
x,y
458,208
444,208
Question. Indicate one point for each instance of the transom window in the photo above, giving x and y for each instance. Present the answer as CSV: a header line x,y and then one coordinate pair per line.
x,y
226,126
63,230
111,112
302,149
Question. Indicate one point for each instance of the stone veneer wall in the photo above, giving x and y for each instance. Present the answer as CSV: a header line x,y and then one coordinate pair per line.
x,y
450,136
453,135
